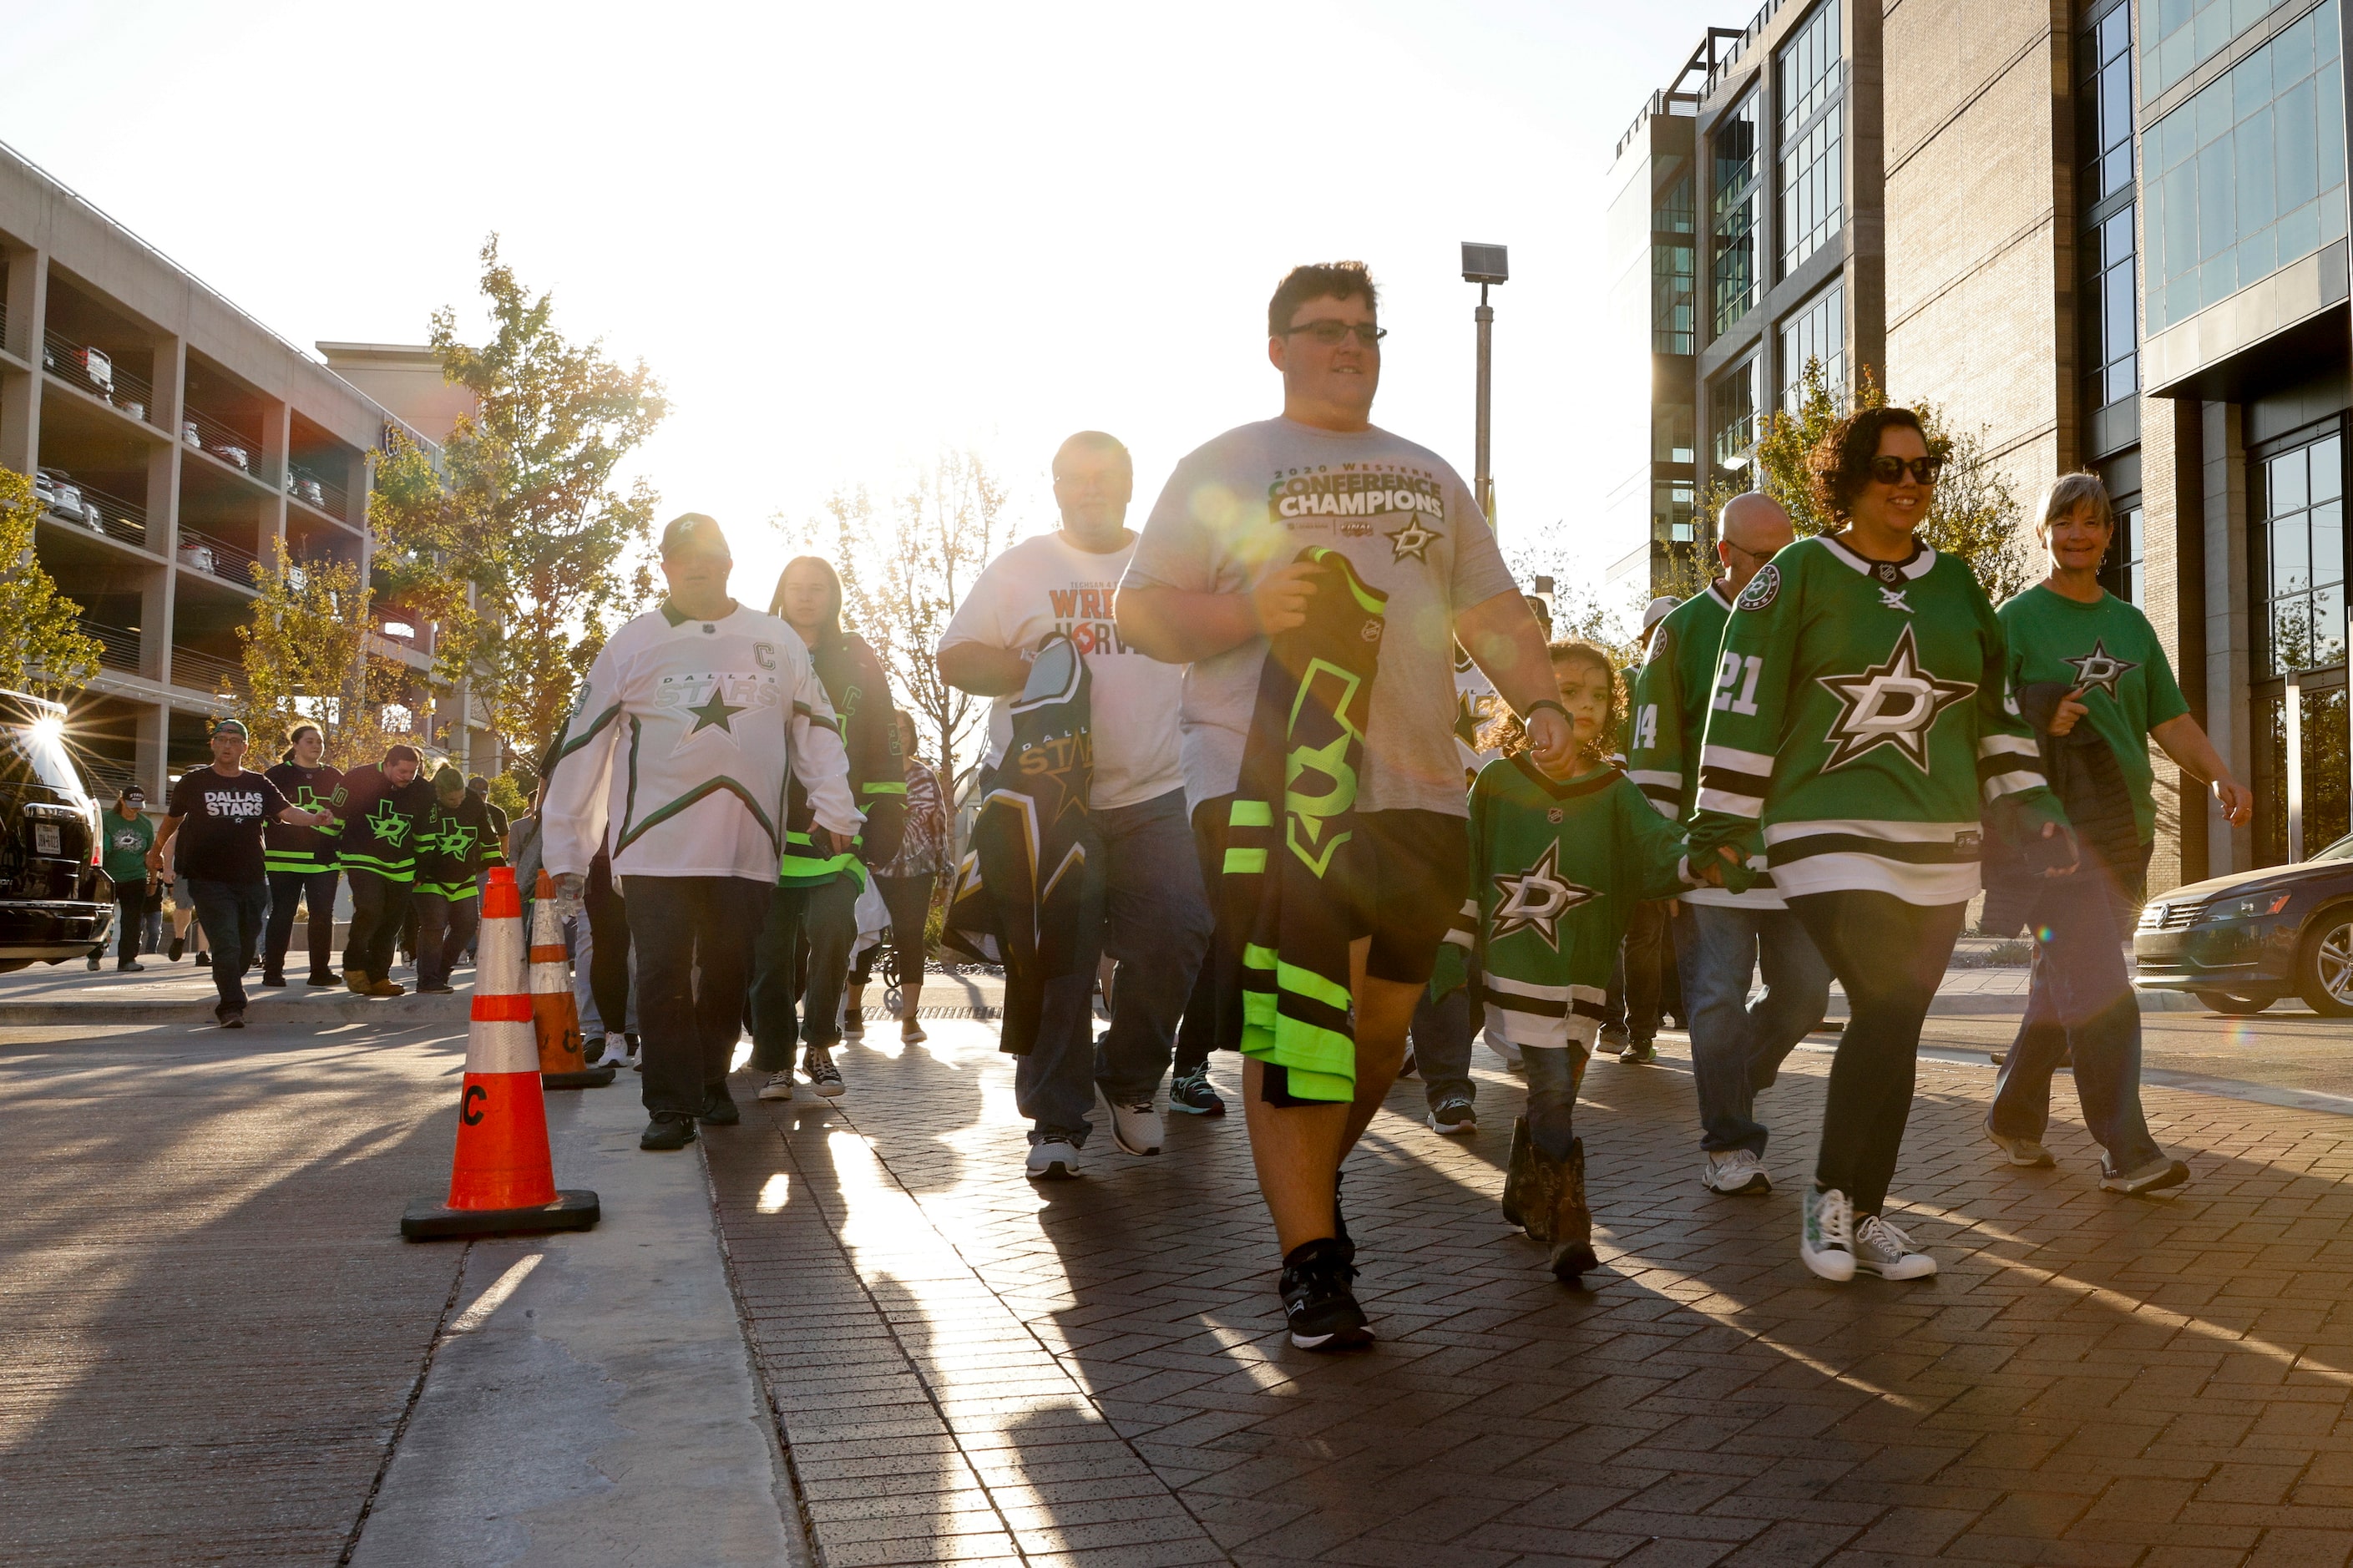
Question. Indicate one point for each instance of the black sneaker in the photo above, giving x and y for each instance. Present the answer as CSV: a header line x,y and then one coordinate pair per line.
x,y
179,945
130,966
323,977
1454,1115
275,981
1316,1301
719,1109
201,961
230,1017
668,1130
421,991
1193,1095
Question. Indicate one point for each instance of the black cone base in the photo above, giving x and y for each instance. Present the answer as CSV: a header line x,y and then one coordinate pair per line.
x,y
598,1077
427,1220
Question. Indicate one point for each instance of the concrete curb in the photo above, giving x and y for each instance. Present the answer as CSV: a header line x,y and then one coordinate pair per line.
x,y
263,1010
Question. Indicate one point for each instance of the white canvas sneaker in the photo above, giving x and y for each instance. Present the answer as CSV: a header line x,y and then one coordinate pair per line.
x,y
1880,1249
1736,1170
1826,1241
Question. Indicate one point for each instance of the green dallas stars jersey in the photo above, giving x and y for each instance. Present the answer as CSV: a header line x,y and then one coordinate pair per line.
x,y
1865,713
2109,650
1672,692
1556,872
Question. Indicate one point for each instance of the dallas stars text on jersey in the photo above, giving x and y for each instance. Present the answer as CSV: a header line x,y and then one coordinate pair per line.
x,y
1555,871
1869,718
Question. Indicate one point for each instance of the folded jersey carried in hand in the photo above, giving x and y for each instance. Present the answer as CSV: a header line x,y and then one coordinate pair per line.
x,y
1292,851
1029,893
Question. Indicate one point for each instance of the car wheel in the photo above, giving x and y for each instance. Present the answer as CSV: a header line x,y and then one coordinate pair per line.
x,y
2235,1006
2324,965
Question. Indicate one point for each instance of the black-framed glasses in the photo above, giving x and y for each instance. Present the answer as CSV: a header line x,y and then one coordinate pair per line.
x,y
1890,471
1752,554
1330,333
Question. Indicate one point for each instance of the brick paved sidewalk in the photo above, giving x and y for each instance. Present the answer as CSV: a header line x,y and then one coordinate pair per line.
x,y
970,1368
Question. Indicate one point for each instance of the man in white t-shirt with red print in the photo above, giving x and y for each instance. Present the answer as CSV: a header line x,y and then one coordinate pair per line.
x,y
1156,917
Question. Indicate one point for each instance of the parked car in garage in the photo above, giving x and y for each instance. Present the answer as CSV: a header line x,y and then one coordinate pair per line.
x,y
2238,943
63,498
55,903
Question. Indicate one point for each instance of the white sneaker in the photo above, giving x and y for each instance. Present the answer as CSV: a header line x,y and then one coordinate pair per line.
x,y
2026,1152
778,1087
1734,1171
1880,1249
1135,1127
1052,1160
1826,1238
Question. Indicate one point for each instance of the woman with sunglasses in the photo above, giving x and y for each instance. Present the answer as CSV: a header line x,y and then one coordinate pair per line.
x,y
1860,724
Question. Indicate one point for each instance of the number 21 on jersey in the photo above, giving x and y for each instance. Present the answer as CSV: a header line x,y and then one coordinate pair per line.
x,y
1730,676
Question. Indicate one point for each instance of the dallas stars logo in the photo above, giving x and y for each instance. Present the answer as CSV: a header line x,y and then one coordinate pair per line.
x,y
1891,704
717,712
2099,671
458,839
1412,540
1537,899
388,825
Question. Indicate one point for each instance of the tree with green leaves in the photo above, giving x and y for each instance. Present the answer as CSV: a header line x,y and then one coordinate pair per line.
x,y
1975,514
904,569
43,648
519,544
312,653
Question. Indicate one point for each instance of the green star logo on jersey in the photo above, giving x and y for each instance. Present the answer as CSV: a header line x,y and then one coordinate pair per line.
x,y
1537,899
305,798
1412,540
389,823
2099,671
458,839
1891,704
717,712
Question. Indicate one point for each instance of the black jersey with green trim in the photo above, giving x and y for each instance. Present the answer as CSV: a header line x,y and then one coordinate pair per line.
x,y
1555,871
859,691
458,842
290,847
1866,724
382,822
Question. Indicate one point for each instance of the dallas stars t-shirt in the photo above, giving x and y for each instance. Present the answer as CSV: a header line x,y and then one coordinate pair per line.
x,y
221,816
2109,650
1252,500
1047,584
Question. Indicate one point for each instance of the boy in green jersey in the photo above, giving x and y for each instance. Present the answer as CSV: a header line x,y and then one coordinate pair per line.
x,y
1558,866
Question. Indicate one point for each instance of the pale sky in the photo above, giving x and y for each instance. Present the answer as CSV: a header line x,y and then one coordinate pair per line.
x,y
845,235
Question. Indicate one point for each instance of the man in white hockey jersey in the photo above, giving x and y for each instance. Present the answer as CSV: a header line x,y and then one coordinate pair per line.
x,y
678,755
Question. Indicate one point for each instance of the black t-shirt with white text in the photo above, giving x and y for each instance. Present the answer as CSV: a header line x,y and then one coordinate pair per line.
x,y
221,818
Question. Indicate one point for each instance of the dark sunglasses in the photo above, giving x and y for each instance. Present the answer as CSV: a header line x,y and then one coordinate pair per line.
x,y
1329,333
1890,471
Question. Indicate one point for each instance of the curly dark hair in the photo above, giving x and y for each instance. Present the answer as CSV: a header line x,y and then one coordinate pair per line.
x,y
1840,464
1510,737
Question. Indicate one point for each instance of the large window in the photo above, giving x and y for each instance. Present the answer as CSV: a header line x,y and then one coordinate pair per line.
x,y
1812,191
1731,207
2250,174
1733,401
2299,535
1817,333
2110,303
2123,573
1674,272
2181,35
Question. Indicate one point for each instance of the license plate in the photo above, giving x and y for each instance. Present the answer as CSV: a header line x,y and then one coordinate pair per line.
x,y
49,838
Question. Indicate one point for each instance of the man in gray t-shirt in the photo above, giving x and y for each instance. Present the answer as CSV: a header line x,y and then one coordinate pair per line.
x,y
1214,573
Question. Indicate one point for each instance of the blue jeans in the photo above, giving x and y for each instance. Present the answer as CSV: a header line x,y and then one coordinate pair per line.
x,y
1736,1048
1554,1073
2079,999
233,914
1442,1045
1156,924
826,915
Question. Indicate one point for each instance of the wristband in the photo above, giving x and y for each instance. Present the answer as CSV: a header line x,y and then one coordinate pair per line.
x,y
1547,702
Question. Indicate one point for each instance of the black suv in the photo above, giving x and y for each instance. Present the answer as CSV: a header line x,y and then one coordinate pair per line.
x,y
2240,943
55,903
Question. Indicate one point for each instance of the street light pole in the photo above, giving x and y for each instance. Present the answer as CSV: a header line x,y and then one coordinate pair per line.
x,y
1483,265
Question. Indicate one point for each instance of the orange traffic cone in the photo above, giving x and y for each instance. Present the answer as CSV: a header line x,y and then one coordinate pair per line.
x,y
554,1013
502,1179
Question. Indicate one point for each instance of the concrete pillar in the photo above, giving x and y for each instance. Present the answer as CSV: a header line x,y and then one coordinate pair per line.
x,y
20,390
164,509
149,750
2230,654
277,450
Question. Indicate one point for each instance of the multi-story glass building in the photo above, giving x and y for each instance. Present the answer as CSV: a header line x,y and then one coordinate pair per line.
x,y
2143,272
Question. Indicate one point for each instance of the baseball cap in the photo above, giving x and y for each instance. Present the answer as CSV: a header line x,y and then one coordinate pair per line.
x,y
694,534
1656,610
226,725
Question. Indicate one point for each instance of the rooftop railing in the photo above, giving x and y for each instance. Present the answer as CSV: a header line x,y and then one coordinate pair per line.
x,y
230,444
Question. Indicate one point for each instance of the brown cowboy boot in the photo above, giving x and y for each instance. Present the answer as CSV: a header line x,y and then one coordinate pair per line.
x,y
1572,1220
